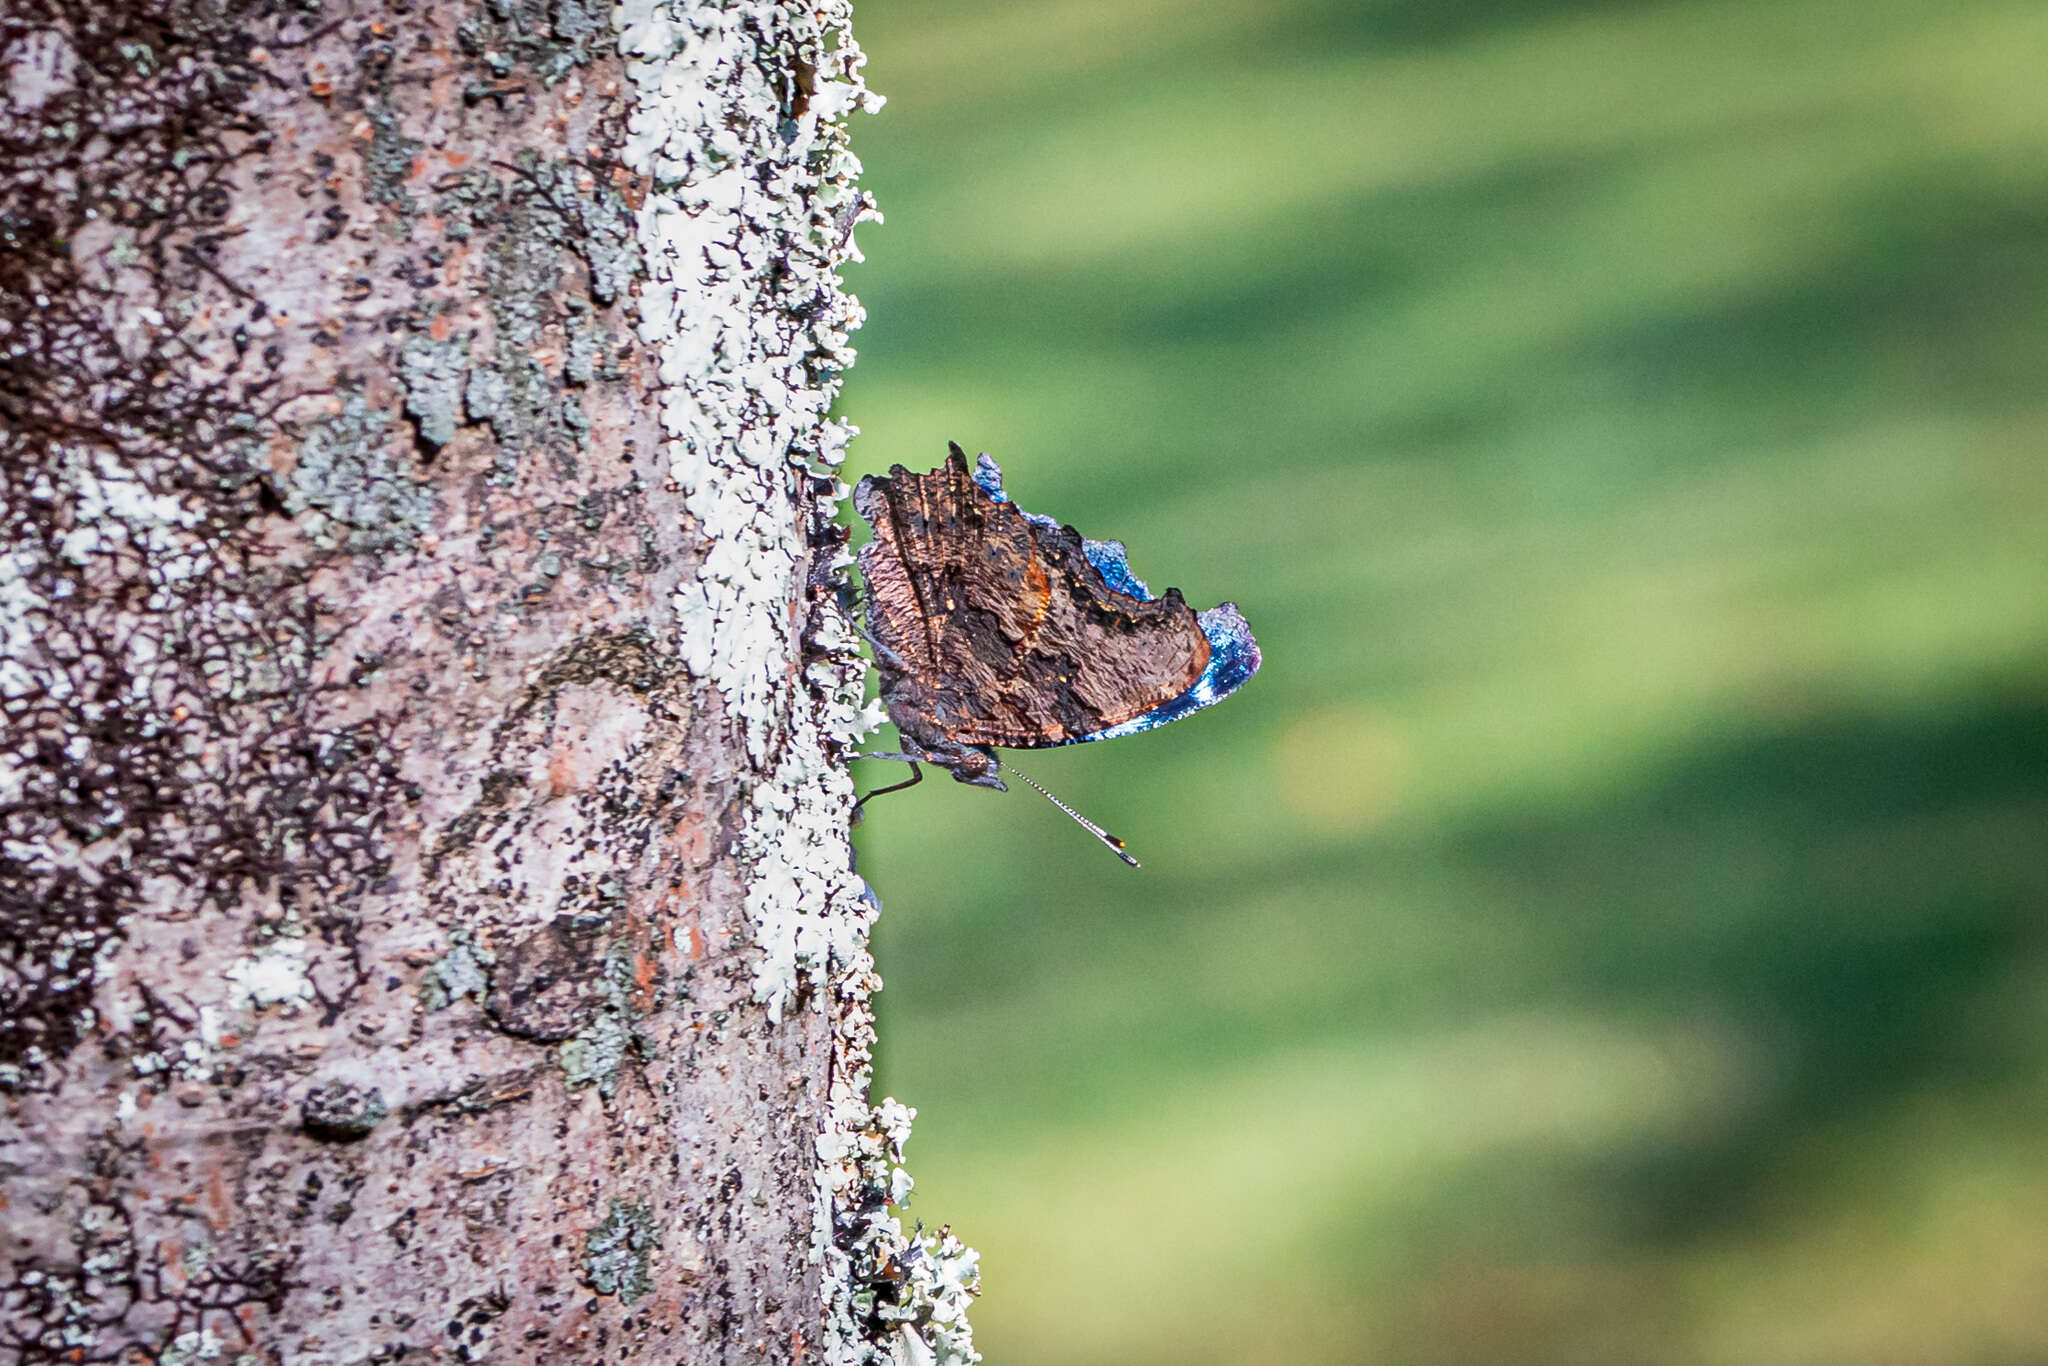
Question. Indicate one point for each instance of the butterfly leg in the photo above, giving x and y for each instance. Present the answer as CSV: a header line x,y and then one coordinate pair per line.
x,y
916,777
883,652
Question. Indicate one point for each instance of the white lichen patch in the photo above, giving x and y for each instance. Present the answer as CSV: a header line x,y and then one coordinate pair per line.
x,y
751,205
114,506
274,975
805,904
927,1325
187,1348
19,604
741,232
87,532
112,516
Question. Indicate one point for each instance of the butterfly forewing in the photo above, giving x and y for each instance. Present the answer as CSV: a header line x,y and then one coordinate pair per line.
x,y
1015,636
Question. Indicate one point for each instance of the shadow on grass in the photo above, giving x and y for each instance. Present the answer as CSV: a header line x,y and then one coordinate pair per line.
x,y
1857,894
1860,895
1357,251
1845,886
1395,26
1932,287
1927,293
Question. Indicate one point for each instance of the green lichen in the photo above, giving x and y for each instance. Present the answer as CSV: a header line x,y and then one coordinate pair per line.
x,y
600,1048
618,1253
548,37
350,489
575,419
388,158
512,389
432,372
463,971
536,218
590,346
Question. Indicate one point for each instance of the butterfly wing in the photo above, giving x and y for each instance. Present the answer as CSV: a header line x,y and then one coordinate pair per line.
x,y
1007,633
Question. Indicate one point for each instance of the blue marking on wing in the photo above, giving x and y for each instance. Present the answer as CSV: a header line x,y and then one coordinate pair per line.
x,y
1112,562
989,475
1233,653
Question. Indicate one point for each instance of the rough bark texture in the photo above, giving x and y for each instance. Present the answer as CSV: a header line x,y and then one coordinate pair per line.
x,y
426,929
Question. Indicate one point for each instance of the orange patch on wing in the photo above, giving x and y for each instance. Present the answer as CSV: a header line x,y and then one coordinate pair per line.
x,y
1039,584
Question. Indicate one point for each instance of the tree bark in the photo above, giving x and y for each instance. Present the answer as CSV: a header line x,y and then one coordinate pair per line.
x,y
427,925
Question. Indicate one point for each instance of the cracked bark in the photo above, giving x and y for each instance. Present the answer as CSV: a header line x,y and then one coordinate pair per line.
x,y
376,973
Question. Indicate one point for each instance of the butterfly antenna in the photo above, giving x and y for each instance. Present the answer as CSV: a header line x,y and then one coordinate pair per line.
x,y
1115,845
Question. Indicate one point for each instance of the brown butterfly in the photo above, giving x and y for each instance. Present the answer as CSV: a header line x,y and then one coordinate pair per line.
x,y
993,627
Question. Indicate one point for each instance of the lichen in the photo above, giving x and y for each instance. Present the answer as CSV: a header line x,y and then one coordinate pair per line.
x,y
537,210
387,158
908,1293
273,976
618,1253
590,347
600,1048
432,373
549,37
751,205
161,711
743,307
56,1313
188,1348
462,971
351,489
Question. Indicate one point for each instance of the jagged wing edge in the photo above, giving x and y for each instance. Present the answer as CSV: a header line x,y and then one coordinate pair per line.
x,y
1233,651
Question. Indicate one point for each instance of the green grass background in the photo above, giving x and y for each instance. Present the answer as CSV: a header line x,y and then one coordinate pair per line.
x,y
1614,926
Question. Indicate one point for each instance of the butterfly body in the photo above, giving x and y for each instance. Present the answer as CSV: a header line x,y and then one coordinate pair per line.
x,y
994,627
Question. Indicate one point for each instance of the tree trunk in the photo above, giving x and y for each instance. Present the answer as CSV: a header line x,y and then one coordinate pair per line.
x,y
426,914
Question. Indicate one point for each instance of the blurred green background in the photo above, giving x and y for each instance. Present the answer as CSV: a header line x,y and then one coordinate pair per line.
x,y
1614,926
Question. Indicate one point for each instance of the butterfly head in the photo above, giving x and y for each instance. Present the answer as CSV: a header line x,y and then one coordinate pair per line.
x,y
975,765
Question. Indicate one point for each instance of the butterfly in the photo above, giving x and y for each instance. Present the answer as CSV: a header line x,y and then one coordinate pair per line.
x,y
996,628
